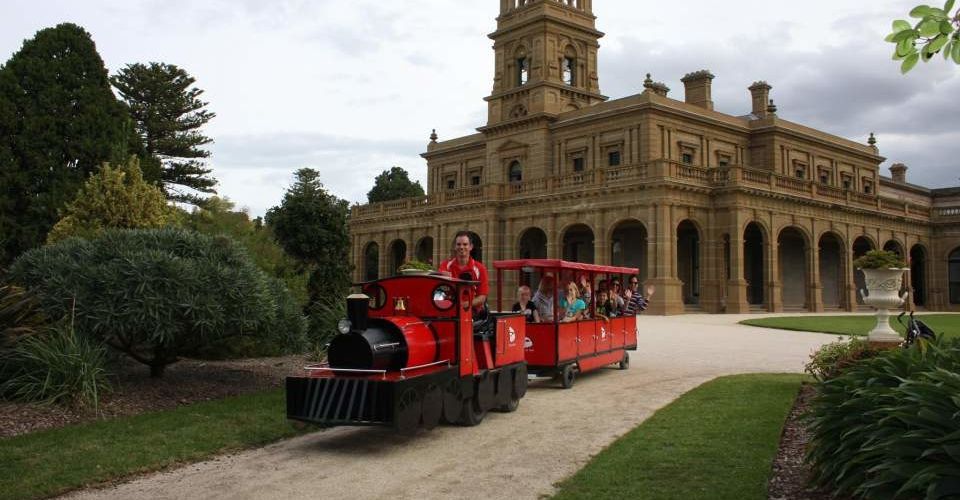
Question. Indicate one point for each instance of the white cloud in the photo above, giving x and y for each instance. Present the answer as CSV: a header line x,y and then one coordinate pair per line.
x,y
353,88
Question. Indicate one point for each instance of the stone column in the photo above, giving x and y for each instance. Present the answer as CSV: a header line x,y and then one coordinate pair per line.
x,y
815,290
669,294
848,277
383,257
553,243
736,284
774,286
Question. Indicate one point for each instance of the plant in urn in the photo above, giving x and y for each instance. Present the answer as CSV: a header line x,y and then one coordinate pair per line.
x,y
883,276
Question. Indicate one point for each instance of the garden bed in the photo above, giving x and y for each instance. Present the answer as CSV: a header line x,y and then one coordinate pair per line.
x,y
791,475
134,392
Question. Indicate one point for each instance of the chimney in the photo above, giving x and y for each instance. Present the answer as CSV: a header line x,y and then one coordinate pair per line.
x,y
697,88
899,173
760,91
656,87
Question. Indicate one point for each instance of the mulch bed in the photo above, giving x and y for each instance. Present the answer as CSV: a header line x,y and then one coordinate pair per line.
x,y
134,392
791,476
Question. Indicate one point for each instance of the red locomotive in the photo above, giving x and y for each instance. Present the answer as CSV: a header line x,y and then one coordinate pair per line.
x,y
411,353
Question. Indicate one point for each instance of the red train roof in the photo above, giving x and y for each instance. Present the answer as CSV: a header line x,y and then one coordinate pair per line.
x,y
555,264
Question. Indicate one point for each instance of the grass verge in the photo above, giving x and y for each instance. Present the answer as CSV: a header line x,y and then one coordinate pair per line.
x,y
50,462
945,324
717,441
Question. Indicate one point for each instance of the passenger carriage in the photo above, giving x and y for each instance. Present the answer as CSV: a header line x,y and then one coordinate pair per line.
x,y
566,349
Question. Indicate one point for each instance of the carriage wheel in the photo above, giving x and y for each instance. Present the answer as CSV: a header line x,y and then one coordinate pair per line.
x,y
568,375
486,392
452,400
408,411
625,362
432,406
504,387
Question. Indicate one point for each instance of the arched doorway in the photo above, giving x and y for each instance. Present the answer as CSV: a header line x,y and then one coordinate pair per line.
x,y
831,271
578,244
895,247
861,246
953,275
371,262
424,252
792,250
918,275
628,246
532,245
398,255
688,261
477,252
753,263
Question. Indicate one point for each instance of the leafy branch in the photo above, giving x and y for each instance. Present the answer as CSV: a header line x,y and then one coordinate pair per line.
x,y
936,31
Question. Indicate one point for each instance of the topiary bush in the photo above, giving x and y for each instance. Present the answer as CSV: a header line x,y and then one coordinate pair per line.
x,y
889,427
157,294
879,259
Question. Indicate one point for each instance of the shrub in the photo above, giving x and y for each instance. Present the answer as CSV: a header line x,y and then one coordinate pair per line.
x,y
56,366
19,314
415,264
889,427
154,294
831,359
324,316
879,259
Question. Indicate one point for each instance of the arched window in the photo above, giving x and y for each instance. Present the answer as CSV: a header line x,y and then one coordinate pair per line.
x,y
953,264
569,70
516,172
523,69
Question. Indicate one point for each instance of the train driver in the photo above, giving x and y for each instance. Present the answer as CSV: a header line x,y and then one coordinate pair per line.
x,y
463,264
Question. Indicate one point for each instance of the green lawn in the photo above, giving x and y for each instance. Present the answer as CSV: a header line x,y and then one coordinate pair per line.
x,y
717,441
50,462
948,324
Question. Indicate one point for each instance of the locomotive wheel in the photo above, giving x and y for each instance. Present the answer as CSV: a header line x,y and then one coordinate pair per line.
x,y
408,411
452,401
504,387
432,406
520,382
567,376
625,362
485,392
471,414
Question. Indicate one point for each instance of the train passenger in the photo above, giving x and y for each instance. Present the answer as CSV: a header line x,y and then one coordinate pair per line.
x,y
543,299
635,301
573,307
525,305
605,306
462,264
616,295
584,289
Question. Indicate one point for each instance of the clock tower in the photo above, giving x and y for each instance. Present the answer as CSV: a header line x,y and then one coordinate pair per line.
x,y
546,59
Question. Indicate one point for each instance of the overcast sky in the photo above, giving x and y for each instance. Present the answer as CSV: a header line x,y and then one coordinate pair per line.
x,y
351,88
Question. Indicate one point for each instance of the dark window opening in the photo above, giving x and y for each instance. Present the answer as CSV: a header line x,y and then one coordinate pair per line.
x,y
801,173
578,164
824,178
613,158
523,71
868,188
475,180
847,183
687,158
724,161
451,184
516,172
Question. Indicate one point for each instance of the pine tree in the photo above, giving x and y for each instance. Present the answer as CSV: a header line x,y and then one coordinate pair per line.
x,y
59,120
168,112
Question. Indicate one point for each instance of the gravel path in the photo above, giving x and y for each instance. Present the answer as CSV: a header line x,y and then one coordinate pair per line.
x,y
519,455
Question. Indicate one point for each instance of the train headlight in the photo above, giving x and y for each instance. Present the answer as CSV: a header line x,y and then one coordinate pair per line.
x,y
344,325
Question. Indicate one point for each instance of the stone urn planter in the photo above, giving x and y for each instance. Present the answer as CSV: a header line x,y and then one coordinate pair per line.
x,y
883,293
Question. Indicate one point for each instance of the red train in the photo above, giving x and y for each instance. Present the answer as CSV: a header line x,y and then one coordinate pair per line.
x,y
410,354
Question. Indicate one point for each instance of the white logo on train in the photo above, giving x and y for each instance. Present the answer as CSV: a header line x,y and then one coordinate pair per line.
x,y
512,334
527,343
603,333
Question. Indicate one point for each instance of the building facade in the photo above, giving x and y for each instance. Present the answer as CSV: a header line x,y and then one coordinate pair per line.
x,y
721,213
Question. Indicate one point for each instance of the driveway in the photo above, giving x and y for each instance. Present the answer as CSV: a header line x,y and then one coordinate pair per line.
x,y
519,455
